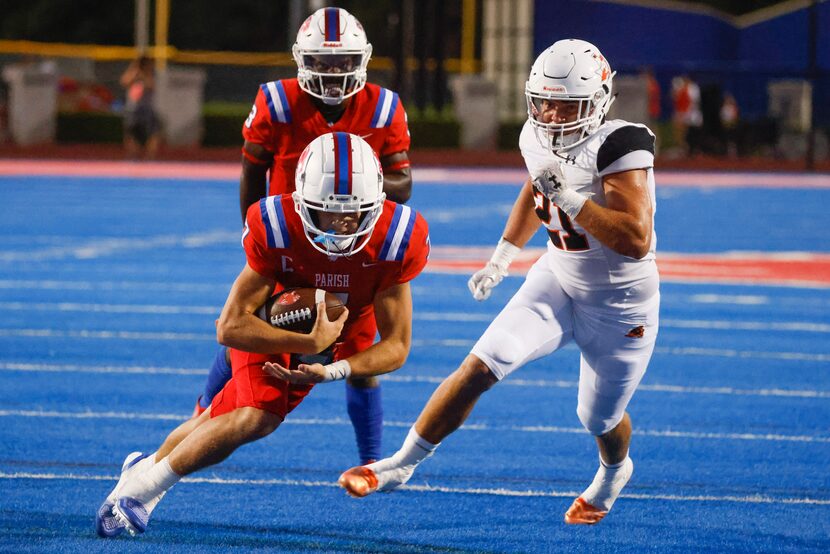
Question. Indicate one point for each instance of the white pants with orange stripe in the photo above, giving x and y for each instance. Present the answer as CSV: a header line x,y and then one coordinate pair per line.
x,y
615,331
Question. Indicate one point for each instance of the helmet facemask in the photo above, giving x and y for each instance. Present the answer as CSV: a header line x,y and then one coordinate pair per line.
x,y
331,77
332,54
590,113
328,241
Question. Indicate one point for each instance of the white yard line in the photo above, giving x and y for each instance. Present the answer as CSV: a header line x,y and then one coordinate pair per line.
x,y
448,317
154,309
753,499
511,382
107,246
417,343
147,286
667,433
107,335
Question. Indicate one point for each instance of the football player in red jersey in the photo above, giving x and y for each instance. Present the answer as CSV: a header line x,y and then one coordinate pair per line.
x,y
338,228
330,94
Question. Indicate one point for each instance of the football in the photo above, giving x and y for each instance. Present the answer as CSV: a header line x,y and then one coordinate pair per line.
x,y
296,309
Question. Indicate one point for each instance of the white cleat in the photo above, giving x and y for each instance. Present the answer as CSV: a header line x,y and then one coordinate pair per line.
x,y
382,476
134,514
128,468
595,503
106,524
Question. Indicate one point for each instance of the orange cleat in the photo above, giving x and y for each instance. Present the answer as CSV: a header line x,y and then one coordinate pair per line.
x,y
582,513
359,481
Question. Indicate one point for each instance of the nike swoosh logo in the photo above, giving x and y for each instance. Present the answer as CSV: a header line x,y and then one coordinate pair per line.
x,y
366,136
370,264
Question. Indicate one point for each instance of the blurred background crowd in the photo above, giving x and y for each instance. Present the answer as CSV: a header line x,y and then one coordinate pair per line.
x,y
725,82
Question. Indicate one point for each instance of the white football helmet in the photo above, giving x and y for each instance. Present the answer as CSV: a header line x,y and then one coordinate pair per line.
x,y
569,71
332,53
339,173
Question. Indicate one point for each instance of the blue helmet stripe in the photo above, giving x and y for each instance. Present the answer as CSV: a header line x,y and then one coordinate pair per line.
x,y
343,161
332,24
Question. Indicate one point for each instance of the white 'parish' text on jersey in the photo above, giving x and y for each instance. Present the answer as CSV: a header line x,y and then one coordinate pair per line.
x,y
578,259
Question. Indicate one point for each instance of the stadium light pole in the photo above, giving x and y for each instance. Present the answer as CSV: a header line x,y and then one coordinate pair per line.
x,y
468,36
142,22
162,26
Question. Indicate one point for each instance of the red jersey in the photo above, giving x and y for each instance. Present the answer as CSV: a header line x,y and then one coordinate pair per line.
x,y
276,246
284,120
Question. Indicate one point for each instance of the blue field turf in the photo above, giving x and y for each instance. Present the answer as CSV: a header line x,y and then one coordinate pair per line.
x,y
108,293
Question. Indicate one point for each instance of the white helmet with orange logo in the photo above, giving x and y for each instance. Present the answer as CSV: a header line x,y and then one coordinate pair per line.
x,y
332,53
339,173
570,70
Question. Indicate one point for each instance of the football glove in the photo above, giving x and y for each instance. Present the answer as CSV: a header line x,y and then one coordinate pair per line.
x,y
551,183
482,283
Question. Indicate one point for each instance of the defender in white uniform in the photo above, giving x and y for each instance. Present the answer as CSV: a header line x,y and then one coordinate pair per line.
x,y
592,186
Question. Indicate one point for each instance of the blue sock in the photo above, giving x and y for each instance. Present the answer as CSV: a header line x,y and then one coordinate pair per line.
x,y
220,373
366,412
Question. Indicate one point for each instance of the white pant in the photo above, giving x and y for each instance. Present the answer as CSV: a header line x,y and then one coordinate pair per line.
x,y
615,331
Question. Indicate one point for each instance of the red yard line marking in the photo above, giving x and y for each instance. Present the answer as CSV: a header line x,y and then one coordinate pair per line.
x,y
466,176
800,269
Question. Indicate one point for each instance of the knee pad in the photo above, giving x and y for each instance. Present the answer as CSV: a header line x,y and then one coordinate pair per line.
x,y
506,348
595,423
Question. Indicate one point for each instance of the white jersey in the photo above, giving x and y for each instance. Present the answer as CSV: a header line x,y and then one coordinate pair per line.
x,y
578,259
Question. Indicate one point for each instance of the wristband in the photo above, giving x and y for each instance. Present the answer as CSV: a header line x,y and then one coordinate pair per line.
x,y
570,202
337,371
503,255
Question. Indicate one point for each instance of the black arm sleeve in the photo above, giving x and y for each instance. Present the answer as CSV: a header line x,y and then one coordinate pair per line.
x,y
624,141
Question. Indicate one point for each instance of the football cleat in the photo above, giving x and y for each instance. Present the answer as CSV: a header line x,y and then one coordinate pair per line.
x,y
595,503
362,481
132,514
359,481
582,513
106,525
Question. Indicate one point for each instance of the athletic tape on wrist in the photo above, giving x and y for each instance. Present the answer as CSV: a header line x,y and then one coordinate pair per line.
x,y
504,254
570,202
337,371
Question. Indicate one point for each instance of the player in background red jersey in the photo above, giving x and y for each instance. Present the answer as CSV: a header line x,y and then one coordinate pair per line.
x,y
330,94
337,227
